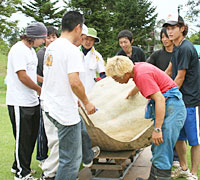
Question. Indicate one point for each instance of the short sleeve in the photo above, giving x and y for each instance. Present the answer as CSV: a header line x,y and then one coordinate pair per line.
x,y
184,58
75,63
19,60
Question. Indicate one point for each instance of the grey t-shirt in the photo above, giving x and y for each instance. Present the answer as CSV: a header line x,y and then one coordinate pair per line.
x,y
40,55
160,59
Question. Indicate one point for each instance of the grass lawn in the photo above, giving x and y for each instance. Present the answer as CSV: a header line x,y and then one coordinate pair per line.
x,y
7,142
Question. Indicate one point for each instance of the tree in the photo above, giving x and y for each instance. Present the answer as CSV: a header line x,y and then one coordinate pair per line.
x,y
110,17
43,11
194,9
7,27
195,38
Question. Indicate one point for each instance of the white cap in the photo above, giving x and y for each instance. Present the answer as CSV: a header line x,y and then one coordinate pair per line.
x,y
173,19
84,30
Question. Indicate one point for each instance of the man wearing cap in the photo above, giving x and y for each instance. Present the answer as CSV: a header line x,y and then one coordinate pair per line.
x,y
22,97
92,60
184,69
135,54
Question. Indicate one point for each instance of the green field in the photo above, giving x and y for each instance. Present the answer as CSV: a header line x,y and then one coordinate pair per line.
x,y
7,142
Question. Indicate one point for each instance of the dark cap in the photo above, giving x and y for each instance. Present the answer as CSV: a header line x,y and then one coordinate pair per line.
x,y
173,19
36,30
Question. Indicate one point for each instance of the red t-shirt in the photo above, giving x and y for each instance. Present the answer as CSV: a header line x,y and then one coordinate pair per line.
x,y
149,79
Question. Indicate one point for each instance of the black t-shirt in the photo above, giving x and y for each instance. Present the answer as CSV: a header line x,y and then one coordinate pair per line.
x,y
40,56
185,57
137,54
160,59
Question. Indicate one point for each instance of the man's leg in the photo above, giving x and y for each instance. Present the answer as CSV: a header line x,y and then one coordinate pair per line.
x,y
70,150
162,155
181,149
191,132
50,165
89,153
195,159
86,144
172,124
12,119
27,124
42,148
193,129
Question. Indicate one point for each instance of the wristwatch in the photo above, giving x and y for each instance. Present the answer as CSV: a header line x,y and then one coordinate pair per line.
x,y
158,130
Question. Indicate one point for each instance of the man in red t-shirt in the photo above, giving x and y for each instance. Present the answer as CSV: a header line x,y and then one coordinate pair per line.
x,y
165,107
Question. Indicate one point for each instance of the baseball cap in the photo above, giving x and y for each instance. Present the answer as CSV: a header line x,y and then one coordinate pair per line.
x,y
36,30
173,19
84,30
93,33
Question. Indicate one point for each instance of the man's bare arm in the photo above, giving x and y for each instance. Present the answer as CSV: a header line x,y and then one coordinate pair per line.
x,y
79,91
27,81
168,71
180,77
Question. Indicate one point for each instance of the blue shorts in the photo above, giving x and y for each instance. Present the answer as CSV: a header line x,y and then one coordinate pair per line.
x,y
190,130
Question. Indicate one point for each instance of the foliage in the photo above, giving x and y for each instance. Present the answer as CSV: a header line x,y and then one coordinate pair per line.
x,y
195,38
194,9
4,47
110,17
7,8
43,11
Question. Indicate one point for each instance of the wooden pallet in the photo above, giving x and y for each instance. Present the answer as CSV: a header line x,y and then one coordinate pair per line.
x,y
113,161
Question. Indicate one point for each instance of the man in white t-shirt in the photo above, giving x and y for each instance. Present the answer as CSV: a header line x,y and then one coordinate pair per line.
x,y
92,60
50,165
22,98
60,93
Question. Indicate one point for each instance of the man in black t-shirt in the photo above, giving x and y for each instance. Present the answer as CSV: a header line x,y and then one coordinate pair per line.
x,y
134,53
184,69
162,57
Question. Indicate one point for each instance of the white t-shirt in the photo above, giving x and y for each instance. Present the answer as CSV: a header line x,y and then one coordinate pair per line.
x,y
61,59
93,63
21,57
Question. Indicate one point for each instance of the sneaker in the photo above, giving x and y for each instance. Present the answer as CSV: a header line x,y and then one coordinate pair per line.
x,y
28,177
179,172
46,178
176,164
88,165
12,170
192,177
96,151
